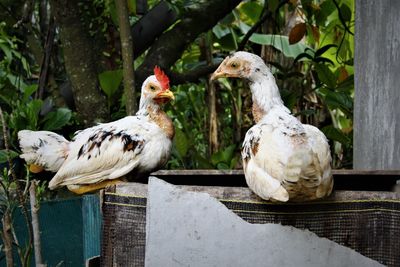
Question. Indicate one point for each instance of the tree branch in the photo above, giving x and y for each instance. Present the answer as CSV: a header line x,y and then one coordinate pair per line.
x,y
44,66
168,48
191,76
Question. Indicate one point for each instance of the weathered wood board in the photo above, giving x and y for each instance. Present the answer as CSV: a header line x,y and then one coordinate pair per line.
x,y
377,85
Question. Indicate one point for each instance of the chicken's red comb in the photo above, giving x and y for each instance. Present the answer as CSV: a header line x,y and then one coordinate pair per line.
x,y
161,77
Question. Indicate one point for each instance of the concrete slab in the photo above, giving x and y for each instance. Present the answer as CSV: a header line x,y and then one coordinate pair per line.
x,y
193,229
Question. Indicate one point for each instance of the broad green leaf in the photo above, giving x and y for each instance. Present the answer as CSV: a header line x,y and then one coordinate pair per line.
x,y
346,12
57,119
279,42
217,157
223,156
3,155
340,100
32,111
181,142
228,42
336,135
110,81
132,6
29,90
347,84
325,75
252,10
344,51
7,52
326,8
220,31
202,163
228,153
17,81
222,166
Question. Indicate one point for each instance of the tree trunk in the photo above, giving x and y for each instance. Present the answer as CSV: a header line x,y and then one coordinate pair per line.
x,y
127,56
212,101
80,62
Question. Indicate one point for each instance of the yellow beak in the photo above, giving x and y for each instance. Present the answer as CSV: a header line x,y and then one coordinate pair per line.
x,y
217,74
167,94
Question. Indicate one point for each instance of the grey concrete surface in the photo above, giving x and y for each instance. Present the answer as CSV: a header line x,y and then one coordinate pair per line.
x,y
193,229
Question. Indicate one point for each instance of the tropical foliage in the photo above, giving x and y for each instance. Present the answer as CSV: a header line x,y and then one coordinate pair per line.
x,y
308,44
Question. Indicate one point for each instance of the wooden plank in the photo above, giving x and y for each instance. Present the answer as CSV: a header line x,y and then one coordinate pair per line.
x,y
240,172
368,180
377,80
245,194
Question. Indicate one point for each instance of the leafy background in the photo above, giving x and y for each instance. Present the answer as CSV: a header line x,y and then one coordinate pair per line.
x,y
308,44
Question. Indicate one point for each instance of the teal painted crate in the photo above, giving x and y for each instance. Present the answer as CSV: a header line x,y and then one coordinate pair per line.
x,y
70,231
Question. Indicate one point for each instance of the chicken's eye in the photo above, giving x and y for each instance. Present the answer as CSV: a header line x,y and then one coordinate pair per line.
x,y
234,65
152,88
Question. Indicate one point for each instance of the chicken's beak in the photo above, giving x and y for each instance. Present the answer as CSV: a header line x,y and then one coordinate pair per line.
x,y
166,94
219,73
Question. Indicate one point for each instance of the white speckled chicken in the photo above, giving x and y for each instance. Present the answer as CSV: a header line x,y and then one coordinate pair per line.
x,y
283,159
98,156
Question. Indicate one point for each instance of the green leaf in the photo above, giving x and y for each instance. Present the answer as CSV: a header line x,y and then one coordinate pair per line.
x,y
346,12
346,85
325,75
223,156
32,113
181,142
326,8
132,6
323,49
29,90
340,100
57,119
279,42
7,52
3,155
336,135
220,31
110,81
228,153
222,166
252,10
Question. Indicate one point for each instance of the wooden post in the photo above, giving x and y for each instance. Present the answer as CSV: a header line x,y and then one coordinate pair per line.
x,y
377,85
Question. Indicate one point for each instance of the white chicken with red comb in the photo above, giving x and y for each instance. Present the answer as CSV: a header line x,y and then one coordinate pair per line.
x,y
100,155
283,159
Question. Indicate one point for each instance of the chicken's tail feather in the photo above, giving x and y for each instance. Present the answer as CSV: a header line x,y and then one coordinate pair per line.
x,y
43,148
297,165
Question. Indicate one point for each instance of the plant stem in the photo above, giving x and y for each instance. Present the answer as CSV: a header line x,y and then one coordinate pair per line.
x,y
127,56
18,190
7,238
35,225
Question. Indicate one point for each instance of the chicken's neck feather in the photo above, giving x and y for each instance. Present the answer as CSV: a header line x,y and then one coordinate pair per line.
x,y
158,116
265,94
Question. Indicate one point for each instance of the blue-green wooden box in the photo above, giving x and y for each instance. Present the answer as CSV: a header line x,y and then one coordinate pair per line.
x,y
70,231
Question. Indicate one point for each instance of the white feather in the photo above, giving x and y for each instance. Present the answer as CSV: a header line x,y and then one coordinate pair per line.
x,y
109,160
43,148
283,159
